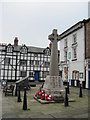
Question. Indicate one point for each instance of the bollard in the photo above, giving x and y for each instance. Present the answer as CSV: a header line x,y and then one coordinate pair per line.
x,y
68,87
80,94
66,97
16,91
25,100
19,96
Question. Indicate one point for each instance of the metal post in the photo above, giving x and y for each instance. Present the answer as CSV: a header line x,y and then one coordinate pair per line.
x,y
80,94
25,100
68,87
19,96
66,97
16,91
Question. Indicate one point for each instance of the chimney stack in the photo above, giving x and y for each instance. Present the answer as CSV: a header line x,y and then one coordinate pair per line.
x,y
50,45
16,41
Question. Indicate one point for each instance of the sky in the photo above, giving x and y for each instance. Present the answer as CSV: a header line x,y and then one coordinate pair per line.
x,y
32,22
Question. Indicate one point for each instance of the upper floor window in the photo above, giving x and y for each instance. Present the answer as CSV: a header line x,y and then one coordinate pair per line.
x,y
23,62
24,49
46,63
7,60
9,48
65,55
36,55
31,62
36,62
47,51
65,43
74,38
74,53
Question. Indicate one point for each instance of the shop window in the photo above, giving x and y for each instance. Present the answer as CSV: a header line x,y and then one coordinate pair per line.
x,y
75,75
81,75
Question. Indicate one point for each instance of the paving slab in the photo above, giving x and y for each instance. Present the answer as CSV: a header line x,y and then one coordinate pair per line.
x,y
13,109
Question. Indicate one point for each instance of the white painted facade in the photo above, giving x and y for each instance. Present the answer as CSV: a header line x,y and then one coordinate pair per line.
x,y
77,64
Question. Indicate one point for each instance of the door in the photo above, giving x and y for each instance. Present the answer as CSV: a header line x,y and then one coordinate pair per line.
x,y
89,79
36,75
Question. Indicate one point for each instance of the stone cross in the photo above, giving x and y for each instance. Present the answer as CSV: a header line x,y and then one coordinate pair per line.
x,y
53,84
54,37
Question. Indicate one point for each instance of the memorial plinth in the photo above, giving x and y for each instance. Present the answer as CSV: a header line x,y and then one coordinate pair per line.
x,y
53,84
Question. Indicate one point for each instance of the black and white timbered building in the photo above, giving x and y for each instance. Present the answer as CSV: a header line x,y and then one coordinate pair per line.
x,y
18,61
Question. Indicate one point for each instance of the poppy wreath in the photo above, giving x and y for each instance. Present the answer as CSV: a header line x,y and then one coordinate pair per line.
x,y
37,93
40,94
43,96
48,97
43,91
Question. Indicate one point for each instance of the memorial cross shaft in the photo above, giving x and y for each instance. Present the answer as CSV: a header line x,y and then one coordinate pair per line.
x,y
54,37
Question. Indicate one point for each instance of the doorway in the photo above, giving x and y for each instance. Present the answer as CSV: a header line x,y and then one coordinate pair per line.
x,y
36,75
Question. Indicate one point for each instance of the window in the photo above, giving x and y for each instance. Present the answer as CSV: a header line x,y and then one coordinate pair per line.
x,y
89,66
65,43
36,55
74,53
65,55
36,62
9,48
81,75
75,75
74,38
44,74
23,73
47,51
46,63
7,60
24,49
31,74
31,62
23,62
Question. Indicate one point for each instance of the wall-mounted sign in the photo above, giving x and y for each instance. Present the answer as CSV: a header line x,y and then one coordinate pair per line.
x,y
69,55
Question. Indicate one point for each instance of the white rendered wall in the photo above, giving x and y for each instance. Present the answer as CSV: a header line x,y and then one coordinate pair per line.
x,y
79,63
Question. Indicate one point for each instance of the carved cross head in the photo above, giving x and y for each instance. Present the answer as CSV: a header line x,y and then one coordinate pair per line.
x,y
54,36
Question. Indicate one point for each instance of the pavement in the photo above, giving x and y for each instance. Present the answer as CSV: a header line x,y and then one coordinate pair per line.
x,y
10,108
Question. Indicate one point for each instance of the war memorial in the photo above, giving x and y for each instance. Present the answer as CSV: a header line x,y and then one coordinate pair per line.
x,y
49,99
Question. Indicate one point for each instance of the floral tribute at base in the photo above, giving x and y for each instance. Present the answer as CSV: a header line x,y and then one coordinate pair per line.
x,y
41,95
